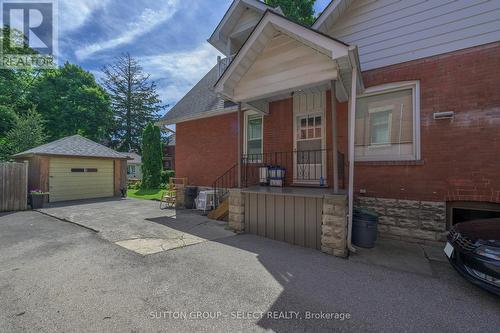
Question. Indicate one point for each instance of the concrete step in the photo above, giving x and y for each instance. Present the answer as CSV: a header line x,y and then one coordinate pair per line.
x,y
221,212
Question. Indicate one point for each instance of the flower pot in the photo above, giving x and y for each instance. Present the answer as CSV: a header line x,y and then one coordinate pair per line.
x,y
38,200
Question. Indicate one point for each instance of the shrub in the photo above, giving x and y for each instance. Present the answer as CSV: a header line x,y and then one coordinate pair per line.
x,y
166,175
151,157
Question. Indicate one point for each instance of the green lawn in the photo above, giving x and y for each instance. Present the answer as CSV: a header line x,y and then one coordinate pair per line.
x,y
154,194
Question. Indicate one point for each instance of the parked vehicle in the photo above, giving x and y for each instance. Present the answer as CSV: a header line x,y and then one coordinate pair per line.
x,y
473,249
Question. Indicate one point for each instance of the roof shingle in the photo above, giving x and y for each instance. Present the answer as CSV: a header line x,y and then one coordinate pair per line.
x,y
75,145
201,99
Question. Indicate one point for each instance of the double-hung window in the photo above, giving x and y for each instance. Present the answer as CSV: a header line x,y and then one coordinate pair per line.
x,y
387,123
253,136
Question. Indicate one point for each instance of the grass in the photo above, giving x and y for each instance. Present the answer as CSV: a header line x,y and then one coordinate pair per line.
x,y
154,194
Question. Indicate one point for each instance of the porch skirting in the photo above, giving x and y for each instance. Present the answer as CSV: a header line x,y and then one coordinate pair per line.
x,y
313,218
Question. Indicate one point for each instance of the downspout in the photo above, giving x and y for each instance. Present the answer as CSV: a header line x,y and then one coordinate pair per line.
x,y
351,121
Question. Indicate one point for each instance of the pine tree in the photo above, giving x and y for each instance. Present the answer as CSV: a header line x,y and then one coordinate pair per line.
x,y
134,100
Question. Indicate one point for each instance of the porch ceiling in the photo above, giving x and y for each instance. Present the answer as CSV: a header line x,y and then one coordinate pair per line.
x,y
280,57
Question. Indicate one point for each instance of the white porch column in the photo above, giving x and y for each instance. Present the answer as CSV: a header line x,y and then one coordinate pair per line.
x,y
351,121
334,137
239,145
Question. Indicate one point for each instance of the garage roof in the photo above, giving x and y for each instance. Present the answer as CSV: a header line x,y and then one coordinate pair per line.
x,y
76,146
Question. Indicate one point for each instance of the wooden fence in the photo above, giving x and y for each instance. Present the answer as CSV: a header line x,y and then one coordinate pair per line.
x,y
13,186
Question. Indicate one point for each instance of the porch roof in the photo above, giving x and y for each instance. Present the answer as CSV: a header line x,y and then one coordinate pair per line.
x,y
308,59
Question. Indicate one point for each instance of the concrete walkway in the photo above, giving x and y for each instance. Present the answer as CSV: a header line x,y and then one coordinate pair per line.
x,y
401,256
58,277
139,225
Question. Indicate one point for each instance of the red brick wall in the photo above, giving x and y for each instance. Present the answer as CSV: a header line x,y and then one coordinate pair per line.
x,y
460,157
206,148
278,127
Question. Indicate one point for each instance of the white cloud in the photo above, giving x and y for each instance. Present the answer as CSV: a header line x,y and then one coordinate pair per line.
x,y
74,13
178,72
147,21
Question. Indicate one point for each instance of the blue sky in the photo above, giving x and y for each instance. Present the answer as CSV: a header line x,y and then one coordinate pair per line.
x,y
167,36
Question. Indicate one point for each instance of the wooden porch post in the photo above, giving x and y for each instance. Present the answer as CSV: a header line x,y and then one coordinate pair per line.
x,y
239,145
334,137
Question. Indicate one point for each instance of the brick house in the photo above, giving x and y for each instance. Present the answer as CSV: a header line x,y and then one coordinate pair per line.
x,y
391,105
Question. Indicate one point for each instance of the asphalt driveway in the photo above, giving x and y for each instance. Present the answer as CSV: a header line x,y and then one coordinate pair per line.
x,y
139,225
57,276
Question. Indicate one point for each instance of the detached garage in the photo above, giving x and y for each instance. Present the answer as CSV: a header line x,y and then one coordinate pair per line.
x,y
75,168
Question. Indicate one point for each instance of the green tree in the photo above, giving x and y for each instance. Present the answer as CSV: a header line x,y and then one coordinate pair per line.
x,y
71,102
28,132
301,11
134,100
15,84
151,157
7,120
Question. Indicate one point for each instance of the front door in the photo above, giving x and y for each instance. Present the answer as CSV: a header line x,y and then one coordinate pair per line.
x,y
309,138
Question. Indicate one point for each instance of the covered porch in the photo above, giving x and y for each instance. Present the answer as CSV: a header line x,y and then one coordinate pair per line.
x,y
310,75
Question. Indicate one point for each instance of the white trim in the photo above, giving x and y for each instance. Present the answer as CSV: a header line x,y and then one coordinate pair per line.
x,y
326,45
246,114
315,112
333,6
394,87
351,121
202,115
256,5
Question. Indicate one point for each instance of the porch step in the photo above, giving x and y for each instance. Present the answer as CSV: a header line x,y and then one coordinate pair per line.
x,y
221,212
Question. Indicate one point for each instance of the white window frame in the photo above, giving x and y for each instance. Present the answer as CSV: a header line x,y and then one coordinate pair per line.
x,y
394,87
248,114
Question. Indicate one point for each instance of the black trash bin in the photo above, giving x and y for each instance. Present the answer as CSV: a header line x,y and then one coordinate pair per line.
x,y
190,194
364,228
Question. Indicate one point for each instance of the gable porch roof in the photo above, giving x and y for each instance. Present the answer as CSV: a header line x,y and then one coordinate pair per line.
x,y
340,57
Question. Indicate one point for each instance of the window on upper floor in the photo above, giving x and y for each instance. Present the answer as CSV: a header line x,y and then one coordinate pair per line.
x,y
387,123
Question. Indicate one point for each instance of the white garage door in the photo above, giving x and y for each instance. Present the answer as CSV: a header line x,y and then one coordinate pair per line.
x,y
80,178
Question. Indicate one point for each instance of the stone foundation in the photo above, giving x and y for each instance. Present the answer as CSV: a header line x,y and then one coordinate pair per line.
x,y
334,225
236,220
408,220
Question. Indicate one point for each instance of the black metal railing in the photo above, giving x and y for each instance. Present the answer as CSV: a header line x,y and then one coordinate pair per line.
x,y
222,185
305,167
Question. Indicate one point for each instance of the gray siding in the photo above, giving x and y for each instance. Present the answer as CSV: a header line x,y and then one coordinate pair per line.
x,y
390,31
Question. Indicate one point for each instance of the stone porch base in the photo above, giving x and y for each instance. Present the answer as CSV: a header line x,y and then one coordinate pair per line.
x,y
408,220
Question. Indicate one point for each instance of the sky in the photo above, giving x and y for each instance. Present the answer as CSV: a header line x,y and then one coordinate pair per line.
x,y
168,37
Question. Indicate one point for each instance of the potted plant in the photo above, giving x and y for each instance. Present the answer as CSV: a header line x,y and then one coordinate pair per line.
x,y
38,198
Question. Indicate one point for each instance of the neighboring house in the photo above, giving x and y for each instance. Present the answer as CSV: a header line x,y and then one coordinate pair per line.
x,y
169,154
74,168
134,166
407,93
